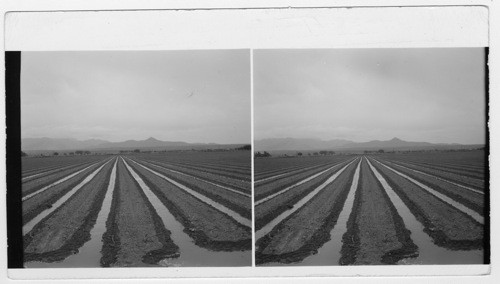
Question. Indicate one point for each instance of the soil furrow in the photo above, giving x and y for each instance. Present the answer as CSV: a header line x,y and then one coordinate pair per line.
x,y
53,171
268,219
45,200
462,178
34,187
67,228
238,203
282,173
376,233
207,200
304,232
241,185
200,166
163,169
143,239
469,202
265,193
207,226
290,177
477,173
442,179
266,212
223,173
447,226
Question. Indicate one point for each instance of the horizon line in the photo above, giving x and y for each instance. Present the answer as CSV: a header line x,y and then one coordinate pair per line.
x,y
325,140
119,141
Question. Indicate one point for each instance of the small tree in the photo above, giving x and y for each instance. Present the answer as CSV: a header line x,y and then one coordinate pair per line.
x,y
137,151
55,154
262,155
245,147
299,154
381,151
23,154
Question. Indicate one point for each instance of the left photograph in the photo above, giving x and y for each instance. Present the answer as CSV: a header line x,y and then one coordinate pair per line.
x,y
136,158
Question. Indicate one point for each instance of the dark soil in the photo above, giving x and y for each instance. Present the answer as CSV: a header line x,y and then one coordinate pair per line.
x,y
111,238
113,244
260,222
320,237
66,187
245,212
57,176
78,239
351,240
201,177
290,181
439,237
199,237
292,173
51,172
468,203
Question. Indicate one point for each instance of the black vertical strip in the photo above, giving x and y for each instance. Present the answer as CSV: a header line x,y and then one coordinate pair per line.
x,y
13,158
486,214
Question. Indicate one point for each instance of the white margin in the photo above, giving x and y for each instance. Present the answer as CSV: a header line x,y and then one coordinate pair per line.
x,y
349,39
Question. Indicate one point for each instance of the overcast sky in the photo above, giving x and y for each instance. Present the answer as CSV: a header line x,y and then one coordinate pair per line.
x,y
433,95
192,96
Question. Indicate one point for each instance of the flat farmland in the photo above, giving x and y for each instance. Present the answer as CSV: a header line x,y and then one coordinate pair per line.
x,y
154,209
404,208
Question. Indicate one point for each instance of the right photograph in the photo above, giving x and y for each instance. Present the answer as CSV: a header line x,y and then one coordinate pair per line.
x,y
371,156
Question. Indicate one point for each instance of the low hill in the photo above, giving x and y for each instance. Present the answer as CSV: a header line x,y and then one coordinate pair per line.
x,y
291,144
55,144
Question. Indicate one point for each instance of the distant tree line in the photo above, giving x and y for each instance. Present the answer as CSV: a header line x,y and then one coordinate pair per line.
x,y
245,148
320,153
378,151
262,155
80,152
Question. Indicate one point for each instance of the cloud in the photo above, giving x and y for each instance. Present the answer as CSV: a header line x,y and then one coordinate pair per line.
x,y
176,95
414,93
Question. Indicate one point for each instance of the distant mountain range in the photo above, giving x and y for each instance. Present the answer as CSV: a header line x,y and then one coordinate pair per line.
x,y
56,144
270,145
293,144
